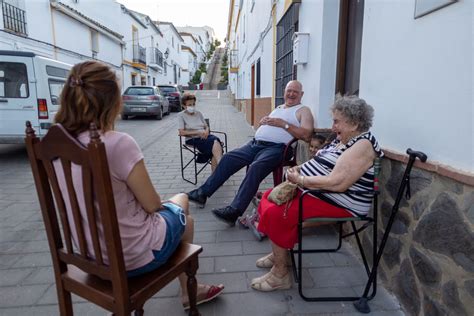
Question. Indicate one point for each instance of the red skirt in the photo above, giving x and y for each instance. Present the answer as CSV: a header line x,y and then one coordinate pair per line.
x,y
284,231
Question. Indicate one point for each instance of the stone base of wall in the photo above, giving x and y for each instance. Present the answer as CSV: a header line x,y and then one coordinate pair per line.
x,y
428,262
263,106
239,104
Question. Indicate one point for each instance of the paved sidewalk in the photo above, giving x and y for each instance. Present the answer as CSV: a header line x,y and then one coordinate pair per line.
x,y
27,284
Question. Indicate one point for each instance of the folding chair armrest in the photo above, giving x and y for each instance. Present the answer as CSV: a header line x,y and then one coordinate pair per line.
x,y
217,132
183,145
316,191
354,192
225,138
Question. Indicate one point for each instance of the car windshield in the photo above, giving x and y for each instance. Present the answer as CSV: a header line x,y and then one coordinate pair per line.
x,y
167,89
139,91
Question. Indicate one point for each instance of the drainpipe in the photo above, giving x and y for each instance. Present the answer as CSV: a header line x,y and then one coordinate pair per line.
x,y
53,30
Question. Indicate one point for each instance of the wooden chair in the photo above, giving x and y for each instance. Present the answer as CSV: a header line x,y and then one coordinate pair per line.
x,y
195,156
75,269
371,269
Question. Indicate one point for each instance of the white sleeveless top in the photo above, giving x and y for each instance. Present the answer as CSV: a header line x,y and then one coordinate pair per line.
x,y
277,134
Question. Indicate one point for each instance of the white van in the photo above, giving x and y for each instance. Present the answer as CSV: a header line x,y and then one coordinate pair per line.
x,y
30,86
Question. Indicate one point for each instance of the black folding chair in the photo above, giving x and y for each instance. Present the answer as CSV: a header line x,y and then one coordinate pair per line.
x,y
194,156
371,285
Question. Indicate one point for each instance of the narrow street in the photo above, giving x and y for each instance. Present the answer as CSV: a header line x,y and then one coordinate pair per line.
x,y
26,276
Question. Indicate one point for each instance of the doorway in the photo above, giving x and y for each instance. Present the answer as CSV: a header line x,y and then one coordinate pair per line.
x,y
351,18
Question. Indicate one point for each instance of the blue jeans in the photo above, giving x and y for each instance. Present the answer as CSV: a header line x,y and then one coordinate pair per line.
x,y
174,232
261,159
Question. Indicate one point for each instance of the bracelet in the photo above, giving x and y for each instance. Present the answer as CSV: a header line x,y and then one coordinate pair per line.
x,y
301,178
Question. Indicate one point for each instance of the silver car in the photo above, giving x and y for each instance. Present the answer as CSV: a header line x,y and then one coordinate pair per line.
x,y
144,101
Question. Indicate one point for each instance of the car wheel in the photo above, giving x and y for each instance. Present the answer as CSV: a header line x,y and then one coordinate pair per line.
x,y
159,116
124,117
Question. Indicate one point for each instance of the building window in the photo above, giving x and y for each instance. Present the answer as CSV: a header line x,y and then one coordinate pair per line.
x,y
94,41
134,79
154,82
14,19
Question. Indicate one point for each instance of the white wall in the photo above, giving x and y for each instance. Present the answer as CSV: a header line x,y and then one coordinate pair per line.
x,y
418,76
319,18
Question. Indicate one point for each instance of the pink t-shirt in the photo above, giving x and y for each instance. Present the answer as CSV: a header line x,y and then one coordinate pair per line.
x,y
140,231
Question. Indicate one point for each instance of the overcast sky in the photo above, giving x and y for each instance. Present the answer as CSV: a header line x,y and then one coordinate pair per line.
x,y
213,13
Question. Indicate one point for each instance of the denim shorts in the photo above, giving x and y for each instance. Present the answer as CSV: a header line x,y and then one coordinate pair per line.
x,y
174,232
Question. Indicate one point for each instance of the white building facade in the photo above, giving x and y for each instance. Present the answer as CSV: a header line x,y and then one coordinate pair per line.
x,y
41,30
176,59
203,35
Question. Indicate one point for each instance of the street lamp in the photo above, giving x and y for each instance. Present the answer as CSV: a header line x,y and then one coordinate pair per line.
x,y
167,53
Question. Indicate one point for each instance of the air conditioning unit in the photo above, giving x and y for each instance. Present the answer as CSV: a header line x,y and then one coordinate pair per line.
x,y
300,48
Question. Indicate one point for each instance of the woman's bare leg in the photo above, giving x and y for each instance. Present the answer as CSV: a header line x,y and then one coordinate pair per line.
x,y
280,260
217,151
188,236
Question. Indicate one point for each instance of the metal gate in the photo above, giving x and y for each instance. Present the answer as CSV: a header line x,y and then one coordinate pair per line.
x,y
285,71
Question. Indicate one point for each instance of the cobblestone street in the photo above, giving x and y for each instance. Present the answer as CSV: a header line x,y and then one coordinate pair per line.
x,y
26,279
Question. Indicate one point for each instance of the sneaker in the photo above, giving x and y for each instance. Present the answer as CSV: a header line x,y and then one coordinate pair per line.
x,y
227,214
196,197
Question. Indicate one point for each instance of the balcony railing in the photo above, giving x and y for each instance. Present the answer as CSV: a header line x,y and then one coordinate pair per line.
x,y
155,56
14,19
139,54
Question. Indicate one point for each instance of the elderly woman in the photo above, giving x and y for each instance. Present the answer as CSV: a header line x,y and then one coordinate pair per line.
x,y
346,163
191,124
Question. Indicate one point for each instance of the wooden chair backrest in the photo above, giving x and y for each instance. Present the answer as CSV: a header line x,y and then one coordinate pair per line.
x,y
99,216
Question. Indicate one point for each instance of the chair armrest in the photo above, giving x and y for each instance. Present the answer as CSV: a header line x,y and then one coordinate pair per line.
x,y
225,138
218,132
354,192
287,148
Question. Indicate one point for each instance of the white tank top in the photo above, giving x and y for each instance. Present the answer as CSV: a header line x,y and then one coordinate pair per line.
x,y
277,134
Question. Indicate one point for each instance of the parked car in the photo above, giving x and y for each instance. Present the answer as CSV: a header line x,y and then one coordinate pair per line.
x,y
173,93
30,86
144,101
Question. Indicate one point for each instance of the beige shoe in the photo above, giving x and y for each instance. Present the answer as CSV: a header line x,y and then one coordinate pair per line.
x,y
270,282
265,262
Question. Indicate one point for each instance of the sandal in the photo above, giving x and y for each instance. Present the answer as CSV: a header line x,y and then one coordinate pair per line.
x,y
203,297
270,282
267,261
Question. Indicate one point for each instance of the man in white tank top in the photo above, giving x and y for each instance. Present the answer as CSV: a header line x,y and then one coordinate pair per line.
x,y
262,154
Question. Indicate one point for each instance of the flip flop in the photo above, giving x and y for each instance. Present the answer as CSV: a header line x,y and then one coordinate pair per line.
x,y
212,293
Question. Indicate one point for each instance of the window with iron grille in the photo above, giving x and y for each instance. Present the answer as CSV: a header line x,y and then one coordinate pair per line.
x,y
14,19
159,58
285,71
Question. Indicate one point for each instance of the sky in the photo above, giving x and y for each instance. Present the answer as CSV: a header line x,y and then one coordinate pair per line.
x,y
213,13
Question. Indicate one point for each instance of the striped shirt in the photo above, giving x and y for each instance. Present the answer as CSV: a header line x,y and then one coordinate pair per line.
x,y
323,163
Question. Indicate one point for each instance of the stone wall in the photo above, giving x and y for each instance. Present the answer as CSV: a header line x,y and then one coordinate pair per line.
x,y
428,262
